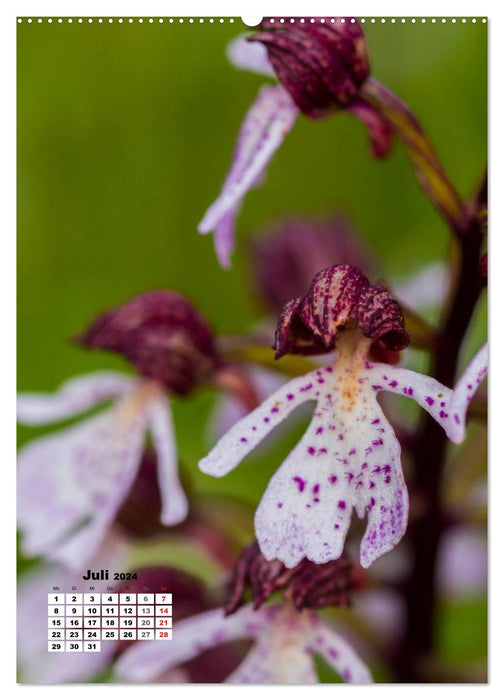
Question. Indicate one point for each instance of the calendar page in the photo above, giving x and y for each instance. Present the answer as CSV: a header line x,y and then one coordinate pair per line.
x,y
252,266
80,621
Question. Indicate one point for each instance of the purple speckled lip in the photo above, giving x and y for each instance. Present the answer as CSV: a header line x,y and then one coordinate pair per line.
x,y
348,459
273,628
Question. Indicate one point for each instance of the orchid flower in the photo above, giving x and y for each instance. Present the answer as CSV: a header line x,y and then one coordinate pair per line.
x,y
349,456
321,68
285,643
72,483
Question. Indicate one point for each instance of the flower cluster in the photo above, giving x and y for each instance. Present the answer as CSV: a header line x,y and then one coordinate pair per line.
x,y
89,491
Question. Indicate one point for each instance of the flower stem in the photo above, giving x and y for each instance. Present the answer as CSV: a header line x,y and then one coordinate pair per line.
x,y
429,453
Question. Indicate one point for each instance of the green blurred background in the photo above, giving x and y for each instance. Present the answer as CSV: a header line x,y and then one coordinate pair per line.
x,y
125,132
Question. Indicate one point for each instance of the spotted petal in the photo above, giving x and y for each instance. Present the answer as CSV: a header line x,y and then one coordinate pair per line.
x,y
348,458
229,409
339,654
71,484
268,121
73,397
173,498
148,660
464,390
245,435
430,394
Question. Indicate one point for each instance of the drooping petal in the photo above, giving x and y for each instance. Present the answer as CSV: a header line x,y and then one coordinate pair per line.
x,y
464,390
73,397
148,660
379,129
430,394
174,502
251,430
71,483
268,121
348,458
338,654
252,56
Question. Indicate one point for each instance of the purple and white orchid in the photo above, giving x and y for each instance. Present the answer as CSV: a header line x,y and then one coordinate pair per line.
x,y
349,456
285,643
321,67
71,484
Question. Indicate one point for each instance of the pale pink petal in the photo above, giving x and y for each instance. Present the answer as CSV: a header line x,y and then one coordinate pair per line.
x,y
338,654
464,390
224,236
268,121
430,394
148,660
425,288
251,430
248,55
229,410
174,502
71,484
276,659
383,610
345,460
463,561
73,397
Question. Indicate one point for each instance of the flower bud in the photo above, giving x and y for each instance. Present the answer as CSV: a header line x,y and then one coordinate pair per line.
x,y
321,64
307,585
286,259
162,335
339,297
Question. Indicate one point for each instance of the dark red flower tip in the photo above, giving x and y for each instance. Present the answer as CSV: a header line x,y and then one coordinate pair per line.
x,y
321,64
162,335
339,296
286,257
307,585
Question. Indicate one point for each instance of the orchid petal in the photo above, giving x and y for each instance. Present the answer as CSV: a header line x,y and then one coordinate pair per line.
x,y
425,288
174,502
380,131
273,660
339,654
148,660
348,457
71,484
464,390
430,394
268,121
233,447
73,397
252,56
229,409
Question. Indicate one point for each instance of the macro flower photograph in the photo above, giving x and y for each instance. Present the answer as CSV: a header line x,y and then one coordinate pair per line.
x,y
252,348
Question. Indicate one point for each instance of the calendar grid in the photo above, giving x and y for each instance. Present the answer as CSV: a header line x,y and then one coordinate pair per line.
x,y
79,622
